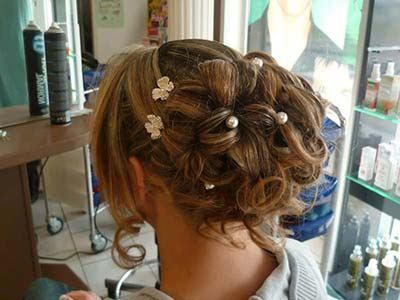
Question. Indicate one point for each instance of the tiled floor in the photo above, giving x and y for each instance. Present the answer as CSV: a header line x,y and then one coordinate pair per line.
x,y
94,269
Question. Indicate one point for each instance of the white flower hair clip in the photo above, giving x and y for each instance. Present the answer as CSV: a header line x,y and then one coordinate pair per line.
x,y
164,87
154,126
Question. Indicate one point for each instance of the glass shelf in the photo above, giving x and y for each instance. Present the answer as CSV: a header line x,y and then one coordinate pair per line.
x,y
375,114
382,49
386,195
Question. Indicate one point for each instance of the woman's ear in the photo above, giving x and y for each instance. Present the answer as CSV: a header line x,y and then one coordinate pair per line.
x,y
138,179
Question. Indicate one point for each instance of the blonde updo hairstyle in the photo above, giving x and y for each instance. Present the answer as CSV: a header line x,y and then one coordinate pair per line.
x,y
257,168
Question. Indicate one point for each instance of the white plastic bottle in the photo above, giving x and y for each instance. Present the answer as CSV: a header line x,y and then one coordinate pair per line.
x,y
386,167
396,157
367,163
390,68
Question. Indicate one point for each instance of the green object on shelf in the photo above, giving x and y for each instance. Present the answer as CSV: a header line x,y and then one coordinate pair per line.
x,y
375,114
332,293
374,189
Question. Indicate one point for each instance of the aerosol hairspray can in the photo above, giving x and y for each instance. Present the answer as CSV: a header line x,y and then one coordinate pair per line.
x,y
57,75
368,283
385,276
35,69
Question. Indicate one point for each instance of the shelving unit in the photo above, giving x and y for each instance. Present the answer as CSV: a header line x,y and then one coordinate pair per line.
x,y
368,128
393,119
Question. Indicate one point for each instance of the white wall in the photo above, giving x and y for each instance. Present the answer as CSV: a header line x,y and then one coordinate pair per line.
x,y
108,41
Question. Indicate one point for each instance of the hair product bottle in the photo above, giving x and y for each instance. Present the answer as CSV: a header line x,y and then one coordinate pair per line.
x,y
396,157
349,240
384,246
370,276
388,93
355,265
396,277
57,75
364,231
386,167
35,69
385,276
373,87
371,252
396,243
367,163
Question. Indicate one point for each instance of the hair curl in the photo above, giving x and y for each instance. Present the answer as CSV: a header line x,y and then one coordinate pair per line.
x,y
257,168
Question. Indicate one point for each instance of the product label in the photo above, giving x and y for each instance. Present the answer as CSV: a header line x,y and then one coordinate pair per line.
x,y
41,85
371,95
38,44
384,175
387,96
353,273
384,280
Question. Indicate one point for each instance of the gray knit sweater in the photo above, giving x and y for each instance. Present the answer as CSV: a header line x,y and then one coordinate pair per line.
x,y
296,278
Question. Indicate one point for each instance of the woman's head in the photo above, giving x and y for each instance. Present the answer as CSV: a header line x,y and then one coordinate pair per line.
x,y
213,173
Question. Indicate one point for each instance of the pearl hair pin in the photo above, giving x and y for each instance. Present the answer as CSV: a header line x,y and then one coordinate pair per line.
x,y
258,62
283,117
232,122
209,186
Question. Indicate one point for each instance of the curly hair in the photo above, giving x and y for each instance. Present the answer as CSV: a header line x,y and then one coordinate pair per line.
x,y
257,168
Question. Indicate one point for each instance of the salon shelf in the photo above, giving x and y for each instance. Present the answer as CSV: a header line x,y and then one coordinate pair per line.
x,y
383,49
374,189
381,200
338,283
375,114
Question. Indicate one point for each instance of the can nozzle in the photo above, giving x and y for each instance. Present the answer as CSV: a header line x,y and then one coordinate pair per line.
x,y
372,268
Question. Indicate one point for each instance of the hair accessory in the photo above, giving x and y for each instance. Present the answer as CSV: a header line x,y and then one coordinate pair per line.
x,y
257,61
154,126
209,186
283,117
232,122
4,135
164,87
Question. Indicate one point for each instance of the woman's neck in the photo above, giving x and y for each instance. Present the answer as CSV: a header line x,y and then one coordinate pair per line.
x,y
288,34
195,268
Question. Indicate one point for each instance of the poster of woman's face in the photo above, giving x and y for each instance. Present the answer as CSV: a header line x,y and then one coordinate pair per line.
x,y
314,38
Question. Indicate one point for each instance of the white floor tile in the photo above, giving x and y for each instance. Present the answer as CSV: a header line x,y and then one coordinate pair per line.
x,y
99,271
147,240
83,243
39,212
77,267
78,220
49,245
146,227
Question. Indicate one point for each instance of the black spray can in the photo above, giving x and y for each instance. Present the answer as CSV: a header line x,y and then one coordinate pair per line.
x,y
35,69
57,75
